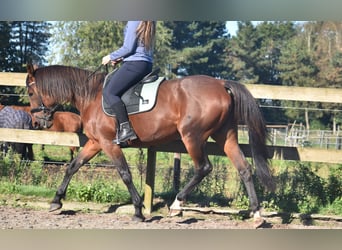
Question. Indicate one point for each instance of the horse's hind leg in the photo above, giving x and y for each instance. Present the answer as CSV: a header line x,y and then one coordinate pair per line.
x,y
233,151
126,176
202,168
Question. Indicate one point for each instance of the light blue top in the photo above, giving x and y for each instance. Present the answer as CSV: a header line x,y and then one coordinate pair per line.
x,y
132,48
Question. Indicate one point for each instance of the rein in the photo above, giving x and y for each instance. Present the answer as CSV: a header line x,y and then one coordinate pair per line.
x,y
114,63
97,69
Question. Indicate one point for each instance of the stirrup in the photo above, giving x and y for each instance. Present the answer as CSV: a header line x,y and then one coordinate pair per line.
x,y
121,141
130,134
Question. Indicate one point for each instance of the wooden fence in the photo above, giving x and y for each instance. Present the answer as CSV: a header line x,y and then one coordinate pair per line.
x,y
259,91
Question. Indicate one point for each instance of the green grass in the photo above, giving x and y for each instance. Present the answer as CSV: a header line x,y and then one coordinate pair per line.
x,y
26,190
302,187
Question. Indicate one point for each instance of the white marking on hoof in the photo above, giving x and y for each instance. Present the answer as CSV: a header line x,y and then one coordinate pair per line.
x,y
175,208
258,219
257,214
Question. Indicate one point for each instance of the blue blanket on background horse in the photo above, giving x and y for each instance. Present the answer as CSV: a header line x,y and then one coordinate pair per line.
x,y
16,119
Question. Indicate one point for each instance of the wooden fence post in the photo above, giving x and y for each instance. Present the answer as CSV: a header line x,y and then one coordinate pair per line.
x,y
149,184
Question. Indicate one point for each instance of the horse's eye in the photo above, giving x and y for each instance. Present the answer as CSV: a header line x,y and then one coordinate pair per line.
x,y
30,94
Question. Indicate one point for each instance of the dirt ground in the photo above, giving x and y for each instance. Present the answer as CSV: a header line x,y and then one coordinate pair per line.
x,y
17,213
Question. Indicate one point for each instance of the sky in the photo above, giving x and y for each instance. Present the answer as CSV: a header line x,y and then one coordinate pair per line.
x,y
232,26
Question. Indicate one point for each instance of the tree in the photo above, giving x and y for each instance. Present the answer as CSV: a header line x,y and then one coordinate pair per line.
x,y
254,53
21,42
6,48
241,53
31,40
297,68
163,51
83,44
313,59
328,58
199,48
273,36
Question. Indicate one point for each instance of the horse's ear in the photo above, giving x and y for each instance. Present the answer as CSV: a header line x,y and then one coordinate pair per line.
x,y
31,68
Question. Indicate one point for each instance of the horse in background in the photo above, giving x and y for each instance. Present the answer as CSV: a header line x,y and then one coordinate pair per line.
x,y
16,119
64,121
59,121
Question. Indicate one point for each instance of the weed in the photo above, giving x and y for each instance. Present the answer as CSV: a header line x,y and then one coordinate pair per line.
x,y
301,187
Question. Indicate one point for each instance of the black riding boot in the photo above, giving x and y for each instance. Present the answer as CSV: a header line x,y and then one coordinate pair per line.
x,y
125,131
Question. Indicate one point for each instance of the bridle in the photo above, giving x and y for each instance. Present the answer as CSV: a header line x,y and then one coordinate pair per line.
x,y
48,112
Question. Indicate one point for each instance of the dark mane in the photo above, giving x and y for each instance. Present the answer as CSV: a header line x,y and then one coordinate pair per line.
x,y
65,83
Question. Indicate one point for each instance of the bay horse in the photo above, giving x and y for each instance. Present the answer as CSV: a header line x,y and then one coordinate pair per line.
x,y
192,109
65,121
59,121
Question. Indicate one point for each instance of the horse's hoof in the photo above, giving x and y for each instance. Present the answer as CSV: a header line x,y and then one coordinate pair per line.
x,y
259,222
175,212
55,206
138,218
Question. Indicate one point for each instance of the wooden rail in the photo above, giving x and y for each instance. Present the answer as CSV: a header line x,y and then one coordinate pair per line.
x,y
78,140
259,91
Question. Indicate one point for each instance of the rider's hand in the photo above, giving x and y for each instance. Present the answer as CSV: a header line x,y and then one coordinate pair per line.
x,y
105,59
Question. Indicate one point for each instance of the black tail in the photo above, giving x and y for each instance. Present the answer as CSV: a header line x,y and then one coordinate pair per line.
x,y
247,111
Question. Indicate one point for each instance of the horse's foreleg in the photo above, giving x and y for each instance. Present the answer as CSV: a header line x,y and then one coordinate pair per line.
x,y
202,168
88,152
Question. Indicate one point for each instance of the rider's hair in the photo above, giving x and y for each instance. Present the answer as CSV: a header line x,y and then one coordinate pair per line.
x,y
146,33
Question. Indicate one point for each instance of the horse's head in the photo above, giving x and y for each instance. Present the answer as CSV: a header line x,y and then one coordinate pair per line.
x,y
42,106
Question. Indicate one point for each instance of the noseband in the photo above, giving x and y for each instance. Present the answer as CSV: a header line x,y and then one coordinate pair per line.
x,y
48,112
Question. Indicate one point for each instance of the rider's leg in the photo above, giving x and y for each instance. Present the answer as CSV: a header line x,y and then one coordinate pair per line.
x,y
125,131
125,77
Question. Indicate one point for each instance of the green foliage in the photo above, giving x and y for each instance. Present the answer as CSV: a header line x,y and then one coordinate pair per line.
x,y
301,187
84,43
11,166
254,53
9,188
334,184
98,191
21,42
216,184
198,48
334,208
281,53
26,190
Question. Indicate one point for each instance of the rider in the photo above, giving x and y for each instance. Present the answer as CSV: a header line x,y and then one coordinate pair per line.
x,y
137,56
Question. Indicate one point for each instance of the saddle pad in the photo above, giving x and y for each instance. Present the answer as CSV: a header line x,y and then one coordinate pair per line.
x,y
139,98
148,96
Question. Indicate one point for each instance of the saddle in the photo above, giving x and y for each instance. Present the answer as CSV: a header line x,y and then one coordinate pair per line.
x,y
141,97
